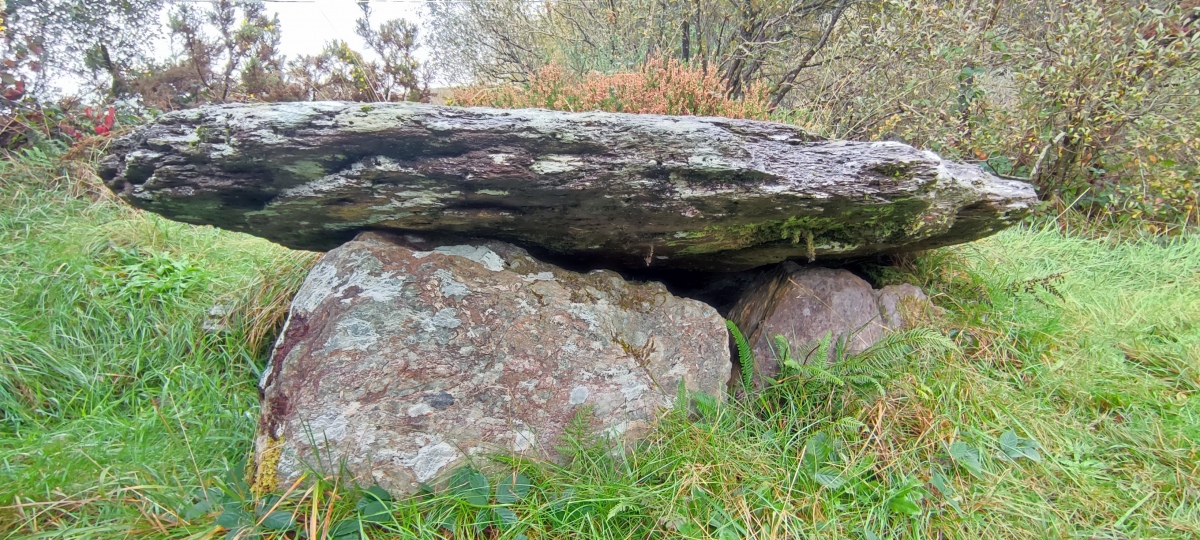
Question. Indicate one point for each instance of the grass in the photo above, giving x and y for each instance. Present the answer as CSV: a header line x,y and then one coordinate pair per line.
x,y
1057,396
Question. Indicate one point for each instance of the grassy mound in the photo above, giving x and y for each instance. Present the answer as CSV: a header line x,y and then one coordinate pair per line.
x,y
1057,396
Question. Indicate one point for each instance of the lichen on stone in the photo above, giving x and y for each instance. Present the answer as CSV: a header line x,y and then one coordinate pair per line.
x,y
264,478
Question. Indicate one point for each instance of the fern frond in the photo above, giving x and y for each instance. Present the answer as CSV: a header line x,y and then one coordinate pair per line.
x,y
895,347
745,355
821,353
783,351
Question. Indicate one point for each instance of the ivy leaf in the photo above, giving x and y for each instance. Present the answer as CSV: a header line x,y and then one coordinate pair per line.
x,y
200,509
378,493
942,485
376,512
508,518
902,505
470,486
906,501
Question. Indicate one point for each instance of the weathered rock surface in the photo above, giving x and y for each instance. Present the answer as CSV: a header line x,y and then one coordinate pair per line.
x,y
805,303
613,189
401,363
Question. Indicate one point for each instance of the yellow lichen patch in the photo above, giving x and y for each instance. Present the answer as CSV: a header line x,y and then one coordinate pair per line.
x,y
265,476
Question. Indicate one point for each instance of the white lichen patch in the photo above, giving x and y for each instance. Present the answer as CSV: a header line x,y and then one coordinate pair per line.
x,y
420,409
480,254
328,427
317,287
368,119
555,163
540,276
524,440
450,287
170,140
431,459
325,184
352,335
585,313
493,192
381,288
707,158
421,199
324,281
443,319
634,391
579,394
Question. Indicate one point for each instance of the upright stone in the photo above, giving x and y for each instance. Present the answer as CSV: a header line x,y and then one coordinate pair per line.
x,y
399,364
807,304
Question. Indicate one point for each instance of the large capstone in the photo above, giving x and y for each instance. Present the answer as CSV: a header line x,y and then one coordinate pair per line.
x,y
604,189
401,362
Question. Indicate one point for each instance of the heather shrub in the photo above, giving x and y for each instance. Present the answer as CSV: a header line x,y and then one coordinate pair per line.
x,y
659,87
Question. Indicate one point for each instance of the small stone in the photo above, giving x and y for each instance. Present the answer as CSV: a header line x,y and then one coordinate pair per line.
x,y
804,304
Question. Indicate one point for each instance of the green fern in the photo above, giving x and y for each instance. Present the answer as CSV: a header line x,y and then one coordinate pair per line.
x,y
783,352
897,346
815,374
745,355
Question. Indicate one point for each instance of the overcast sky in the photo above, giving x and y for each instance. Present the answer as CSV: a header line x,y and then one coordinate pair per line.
x,y
308,24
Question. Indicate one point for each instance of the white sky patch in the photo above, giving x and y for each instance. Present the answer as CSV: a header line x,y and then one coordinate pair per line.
x,y
307,25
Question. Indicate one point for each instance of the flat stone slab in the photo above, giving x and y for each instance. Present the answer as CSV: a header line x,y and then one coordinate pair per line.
x,y
615,190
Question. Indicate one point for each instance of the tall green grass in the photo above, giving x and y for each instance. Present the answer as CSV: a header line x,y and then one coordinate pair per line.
x,y
114,403
1055,396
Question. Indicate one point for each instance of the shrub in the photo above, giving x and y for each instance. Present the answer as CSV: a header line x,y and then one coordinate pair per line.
x,y
1088,100
659,87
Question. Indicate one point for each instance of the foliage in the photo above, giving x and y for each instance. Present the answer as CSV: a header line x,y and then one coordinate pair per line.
x,y
91,43
1090,101
745,356
397,75
1086,99
766,43
108,380
660,87
230,52
30,124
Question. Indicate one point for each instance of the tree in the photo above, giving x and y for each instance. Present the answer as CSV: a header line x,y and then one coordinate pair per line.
x,y
397,75
341,73
746,42
227,52
94,43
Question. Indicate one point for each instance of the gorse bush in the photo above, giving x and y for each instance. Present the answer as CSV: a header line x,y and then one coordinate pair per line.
x,y
659,87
